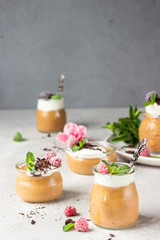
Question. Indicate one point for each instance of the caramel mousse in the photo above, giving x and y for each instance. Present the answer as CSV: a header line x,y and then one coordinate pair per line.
x,y
39,181
113,199
150,125
83,159
51,115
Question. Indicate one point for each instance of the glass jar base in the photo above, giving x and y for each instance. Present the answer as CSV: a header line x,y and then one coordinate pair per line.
x,y
109,228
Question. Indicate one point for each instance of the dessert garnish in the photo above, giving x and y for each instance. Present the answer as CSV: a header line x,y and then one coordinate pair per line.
x,y
102,168
30,161
47,95
70,211
72,140
18,137
114,169
126,129
71,129
80,225
50,161
81,144
151,98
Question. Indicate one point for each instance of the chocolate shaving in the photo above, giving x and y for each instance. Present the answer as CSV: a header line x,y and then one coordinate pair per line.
x,y
130,152
69,220
42,165
33,222
47,149
92,146
112,235
48,135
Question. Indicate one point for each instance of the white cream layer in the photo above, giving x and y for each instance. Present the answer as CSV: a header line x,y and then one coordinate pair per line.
x,y
153,109
45,173
50,104
88,153
114,181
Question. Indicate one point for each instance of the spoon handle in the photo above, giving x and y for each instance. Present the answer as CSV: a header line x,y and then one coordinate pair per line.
x,y
140,148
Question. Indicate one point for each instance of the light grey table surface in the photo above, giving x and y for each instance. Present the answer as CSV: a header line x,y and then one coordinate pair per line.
x,y
15,226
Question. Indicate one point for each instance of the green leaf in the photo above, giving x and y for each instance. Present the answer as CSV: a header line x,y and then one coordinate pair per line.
x,y
82,142
18,137
67,227
75,148
147,104
56,96
122,169
153,98
126,129
30,161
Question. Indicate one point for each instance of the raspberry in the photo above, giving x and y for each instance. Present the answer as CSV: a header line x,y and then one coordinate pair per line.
x,y
102,168
55,161
72,141
146,152
49,155
69,211
81,225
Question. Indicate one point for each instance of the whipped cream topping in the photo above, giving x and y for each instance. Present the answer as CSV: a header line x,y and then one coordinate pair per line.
x,y
88,153
47,172
50,104
153,109
114,181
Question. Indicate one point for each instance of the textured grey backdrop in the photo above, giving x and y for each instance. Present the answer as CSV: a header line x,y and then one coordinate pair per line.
x,y
109,51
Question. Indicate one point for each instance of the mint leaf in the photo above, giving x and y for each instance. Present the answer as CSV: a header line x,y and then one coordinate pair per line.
x,y
122,169
18,137
152,101
126,129
56,96
75,148
30,161
67,227
82,142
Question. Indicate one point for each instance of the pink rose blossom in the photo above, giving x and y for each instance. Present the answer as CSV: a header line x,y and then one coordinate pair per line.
x,y
62,137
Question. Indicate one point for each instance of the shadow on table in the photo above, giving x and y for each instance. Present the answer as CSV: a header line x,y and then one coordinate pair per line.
x,y
146,221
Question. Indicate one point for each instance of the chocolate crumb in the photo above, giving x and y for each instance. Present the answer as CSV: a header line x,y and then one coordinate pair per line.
x,y
21,214
69,220
109,238
48,135
130,152
77,200
42,164
112,235
47,149
88,219
33,222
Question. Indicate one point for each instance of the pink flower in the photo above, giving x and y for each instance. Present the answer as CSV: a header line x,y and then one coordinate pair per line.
x,y
62,137
71,129
78,131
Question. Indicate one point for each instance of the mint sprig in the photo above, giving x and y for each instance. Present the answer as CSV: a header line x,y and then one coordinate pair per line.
x,y
126,129
67,227
30,161
152,101
114,169
75,148
56,96
18,137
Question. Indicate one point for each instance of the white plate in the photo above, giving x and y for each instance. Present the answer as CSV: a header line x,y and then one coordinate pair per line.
x,y
121,147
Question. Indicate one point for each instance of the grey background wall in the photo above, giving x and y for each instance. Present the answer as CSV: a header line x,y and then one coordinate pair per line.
x,y
109,51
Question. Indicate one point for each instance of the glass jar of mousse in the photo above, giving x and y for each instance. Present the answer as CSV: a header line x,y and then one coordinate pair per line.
x,y
50,115
150,128
83,161
38,186
114,200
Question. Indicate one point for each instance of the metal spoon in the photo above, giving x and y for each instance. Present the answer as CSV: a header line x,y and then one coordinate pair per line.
x,y
140,148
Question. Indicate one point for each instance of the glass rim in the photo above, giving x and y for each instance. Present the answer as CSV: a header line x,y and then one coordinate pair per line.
x,y
112,147
94,170
22,163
